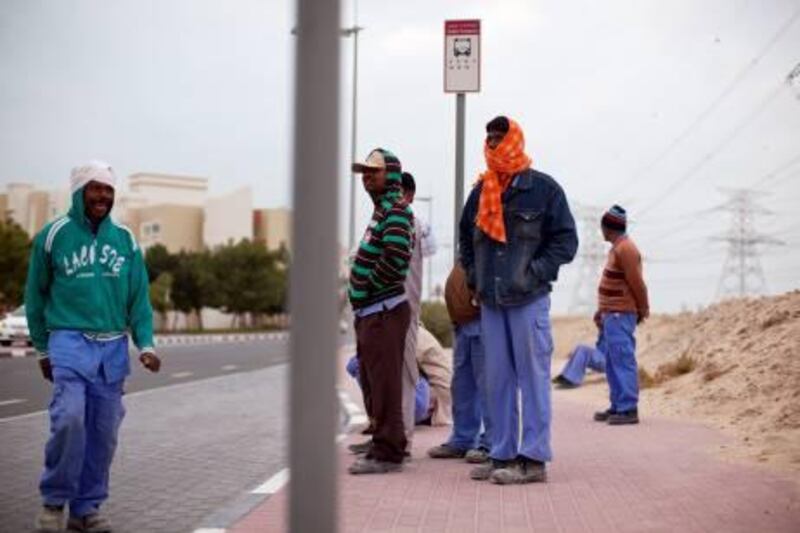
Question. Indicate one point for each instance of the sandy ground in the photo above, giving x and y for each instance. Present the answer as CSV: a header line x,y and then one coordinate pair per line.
x,y
741,373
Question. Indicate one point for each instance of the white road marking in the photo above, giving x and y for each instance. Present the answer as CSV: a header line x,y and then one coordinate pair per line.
x,y
228,368
179,375
355,415
274,483
12,401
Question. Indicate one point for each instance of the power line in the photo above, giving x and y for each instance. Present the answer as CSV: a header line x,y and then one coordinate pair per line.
x,y
771,175
712,107
707,158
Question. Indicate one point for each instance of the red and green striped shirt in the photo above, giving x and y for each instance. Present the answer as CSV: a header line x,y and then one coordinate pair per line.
x,y
381,263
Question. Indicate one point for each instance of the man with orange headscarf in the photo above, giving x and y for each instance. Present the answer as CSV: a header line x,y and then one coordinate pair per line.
x,y
516,231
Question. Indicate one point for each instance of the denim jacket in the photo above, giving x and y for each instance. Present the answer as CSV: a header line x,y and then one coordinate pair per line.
x,y
540,234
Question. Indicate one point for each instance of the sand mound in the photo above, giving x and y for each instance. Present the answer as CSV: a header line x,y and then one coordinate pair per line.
x,y
735,365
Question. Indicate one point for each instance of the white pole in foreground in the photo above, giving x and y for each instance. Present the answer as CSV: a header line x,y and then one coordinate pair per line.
x,y
313,290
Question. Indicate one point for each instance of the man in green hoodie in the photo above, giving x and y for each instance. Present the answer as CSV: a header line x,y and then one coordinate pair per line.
x,y
87,289
380,305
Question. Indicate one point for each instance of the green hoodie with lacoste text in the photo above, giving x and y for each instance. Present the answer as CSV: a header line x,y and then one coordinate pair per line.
x,y
82,281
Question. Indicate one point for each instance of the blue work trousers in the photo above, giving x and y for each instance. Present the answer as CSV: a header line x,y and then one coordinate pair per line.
x,y
621,369
468,387
584,357
519,349
85,416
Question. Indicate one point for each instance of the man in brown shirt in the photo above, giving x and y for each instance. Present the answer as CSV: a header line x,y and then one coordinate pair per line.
x,y
622,304
470,436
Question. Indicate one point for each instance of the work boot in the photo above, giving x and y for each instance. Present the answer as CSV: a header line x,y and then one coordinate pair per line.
x,y
624,417
533,471
603,416
49,519
484,471
510,474
91,523
360,448
477,455
445,451
368,465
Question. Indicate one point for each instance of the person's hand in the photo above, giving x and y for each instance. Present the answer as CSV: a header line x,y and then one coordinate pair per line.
x,y
598,319
641,316
46,368
150,361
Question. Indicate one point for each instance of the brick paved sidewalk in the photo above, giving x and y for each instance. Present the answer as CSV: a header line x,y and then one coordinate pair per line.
x,y
658,476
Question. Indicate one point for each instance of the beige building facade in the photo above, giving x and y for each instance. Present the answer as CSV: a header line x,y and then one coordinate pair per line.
x,y
4,213
273,227
228,218
175,211
154,189
177,227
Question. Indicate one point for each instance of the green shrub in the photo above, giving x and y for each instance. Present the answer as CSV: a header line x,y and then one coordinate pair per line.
x,y
436,320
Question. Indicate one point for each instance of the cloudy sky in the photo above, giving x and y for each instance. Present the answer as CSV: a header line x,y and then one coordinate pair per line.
x,y
653,104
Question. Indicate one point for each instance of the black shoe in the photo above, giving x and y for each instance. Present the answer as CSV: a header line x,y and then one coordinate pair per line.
x,y
625,417
563,383
603,416
360,447
533,471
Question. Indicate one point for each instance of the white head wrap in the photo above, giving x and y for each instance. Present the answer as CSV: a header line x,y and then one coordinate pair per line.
x,y
92,171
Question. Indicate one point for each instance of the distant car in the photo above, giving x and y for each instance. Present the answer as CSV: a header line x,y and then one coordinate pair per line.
x,y
14,328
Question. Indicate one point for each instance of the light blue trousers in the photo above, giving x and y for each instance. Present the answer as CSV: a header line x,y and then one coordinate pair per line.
x,y
519,349
621,370
85,416
584,357
468,388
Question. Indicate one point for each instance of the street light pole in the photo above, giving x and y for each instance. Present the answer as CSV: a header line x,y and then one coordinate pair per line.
x,y
351,230
429,200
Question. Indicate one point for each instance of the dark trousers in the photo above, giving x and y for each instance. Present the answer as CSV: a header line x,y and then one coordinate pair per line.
x,y
380,341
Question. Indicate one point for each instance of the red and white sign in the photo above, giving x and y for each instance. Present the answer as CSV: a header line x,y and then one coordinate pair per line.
x,y
462,56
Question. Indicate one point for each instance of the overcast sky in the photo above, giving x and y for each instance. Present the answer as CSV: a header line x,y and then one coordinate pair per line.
x,y
652,104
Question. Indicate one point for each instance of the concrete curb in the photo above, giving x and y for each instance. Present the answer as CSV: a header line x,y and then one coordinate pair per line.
x,y
22,351
175,340
219,338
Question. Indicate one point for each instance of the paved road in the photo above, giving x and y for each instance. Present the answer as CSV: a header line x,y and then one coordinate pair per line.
x,y
22,389
186,451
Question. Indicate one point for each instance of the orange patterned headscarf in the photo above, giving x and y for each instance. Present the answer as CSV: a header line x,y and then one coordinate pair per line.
x,y
504,161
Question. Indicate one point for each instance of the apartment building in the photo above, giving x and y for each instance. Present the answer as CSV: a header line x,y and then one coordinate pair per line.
x,y
273,227
172,210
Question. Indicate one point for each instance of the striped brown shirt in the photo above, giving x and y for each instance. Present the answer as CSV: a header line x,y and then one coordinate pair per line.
x,y
622,287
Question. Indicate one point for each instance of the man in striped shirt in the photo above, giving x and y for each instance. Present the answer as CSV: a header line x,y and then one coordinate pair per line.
x,y
622,304
381,311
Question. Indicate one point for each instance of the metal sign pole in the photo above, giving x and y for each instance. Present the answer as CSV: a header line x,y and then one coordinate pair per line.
x,y
462,74
461,104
